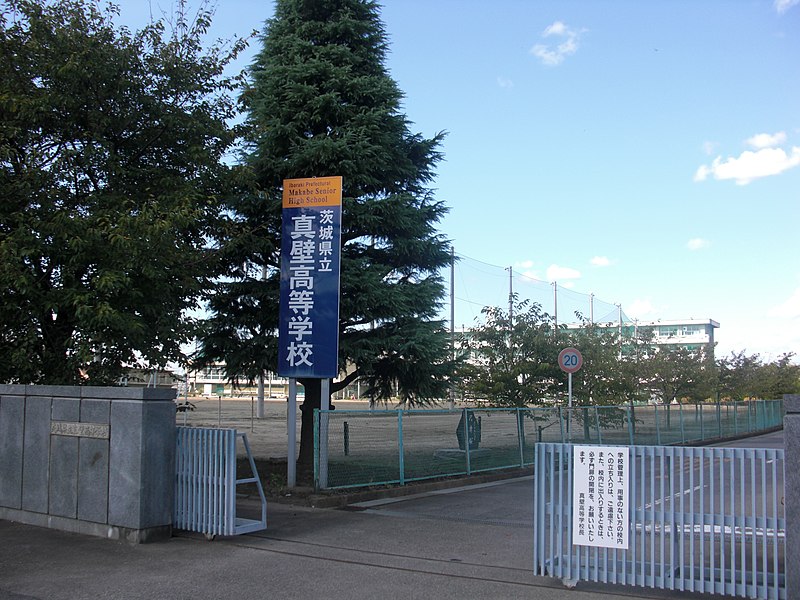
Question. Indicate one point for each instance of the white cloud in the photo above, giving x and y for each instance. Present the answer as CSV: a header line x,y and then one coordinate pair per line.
x,y
750,165
525,268
557,28
504,82
767,337
640,309
783,5
600,261
697,244
789,309
702,173
554,55
710,147
557,273
765,140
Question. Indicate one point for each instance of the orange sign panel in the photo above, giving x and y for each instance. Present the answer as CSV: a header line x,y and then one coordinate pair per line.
x,y
312,191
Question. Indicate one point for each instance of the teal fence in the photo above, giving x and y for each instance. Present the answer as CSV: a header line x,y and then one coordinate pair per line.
x,y
378,447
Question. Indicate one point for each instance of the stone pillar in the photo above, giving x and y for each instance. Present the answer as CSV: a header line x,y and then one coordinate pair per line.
x,y
791,435
94,460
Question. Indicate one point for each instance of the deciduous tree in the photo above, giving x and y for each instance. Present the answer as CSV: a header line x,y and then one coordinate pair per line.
x,y
111,176
513,359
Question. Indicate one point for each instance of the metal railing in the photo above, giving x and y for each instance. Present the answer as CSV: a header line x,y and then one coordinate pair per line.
x,y
700,519
378,447
205,483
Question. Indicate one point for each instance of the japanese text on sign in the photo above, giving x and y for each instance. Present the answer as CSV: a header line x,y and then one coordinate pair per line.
x,y
601,488
309,307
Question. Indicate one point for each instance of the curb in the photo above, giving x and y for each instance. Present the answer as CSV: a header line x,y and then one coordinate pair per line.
x,y
340,499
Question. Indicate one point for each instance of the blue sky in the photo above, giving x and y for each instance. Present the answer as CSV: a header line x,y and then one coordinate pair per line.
x,y
647,153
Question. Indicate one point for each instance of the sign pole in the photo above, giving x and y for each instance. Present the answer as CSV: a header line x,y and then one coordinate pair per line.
x,y
291,429
569,379
570,360
569,414
324,404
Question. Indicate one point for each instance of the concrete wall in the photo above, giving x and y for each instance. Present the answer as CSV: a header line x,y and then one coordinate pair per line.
x,y
92,460
791,436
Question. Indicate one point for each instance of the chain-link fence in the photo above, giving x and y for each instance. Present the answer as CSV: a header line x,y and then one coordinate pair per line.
x,y
365,448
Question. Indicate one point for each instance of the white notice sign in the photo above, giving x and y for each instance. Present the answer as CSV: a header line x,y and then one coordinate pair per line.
x,y
600,496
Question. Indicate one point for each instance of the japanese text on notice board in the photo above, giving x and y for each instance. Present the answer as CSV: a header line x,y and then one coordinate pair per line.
x,y
600,496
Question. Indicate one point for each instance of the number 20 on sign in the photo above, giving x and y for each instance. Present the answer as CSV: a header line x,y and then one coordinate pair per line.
x,y
570,360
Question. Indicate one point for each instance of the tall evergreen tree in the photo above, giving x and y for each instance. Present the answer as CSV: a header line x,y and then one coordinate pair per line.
x,y
321,103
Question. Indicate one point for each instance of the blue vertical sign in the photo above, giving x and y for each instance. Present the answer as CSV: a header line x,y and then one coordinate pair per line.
x,y
308,332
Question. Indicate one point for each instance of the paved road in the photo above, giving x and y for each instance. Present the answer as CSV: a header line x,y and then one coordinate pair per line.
x,y
470,542
305,553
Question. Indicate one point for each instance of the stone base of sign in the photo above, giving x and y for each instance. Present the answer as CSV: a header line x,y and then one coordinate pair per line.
x,y
791,436
456,454
93,460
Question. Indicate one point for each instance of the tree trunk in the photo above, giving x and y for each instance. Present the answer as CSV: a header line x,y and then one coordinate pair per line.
x,y
587,432
312,401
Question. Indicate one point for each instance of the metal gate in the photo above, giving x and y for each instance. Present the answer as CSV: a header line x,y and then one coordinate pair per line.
x,y
700,519
205,483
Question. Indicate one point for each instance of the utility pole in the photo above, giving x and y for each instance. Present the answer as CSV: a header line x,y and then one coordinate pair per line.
x,y
452,320
510,297
591,309
555,307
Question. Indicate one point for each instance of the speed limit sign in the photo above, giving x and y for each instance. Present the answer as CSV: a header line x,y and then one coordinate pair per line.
x,y
570,360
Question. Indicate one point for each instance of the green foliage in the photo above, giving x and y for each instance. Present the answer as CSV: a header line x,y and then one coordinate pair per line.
x,y
511,358
513,362
680,373
743,377
111,176
321,103
604,379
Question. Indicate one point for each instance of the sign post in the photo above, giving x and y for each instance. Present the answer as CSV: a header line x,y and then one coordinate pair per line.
x,y
308,326
570,360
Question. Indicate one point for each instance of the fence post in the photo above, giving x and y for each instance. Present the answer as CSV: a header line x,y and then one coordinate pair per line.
x,y
735,418
719,418
702,422
680,414
658,428
791,441
597,423
316,451
521,437
402,465
630,423
466,439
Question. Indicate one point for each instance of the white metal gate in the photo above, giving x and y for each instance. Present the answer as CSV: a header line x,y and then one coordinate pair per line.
x,y
205,483
701,519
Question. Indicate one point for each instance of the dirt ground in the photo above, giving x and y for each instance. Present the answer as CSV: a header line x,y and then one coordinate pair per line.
x,y
267,436
360,441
